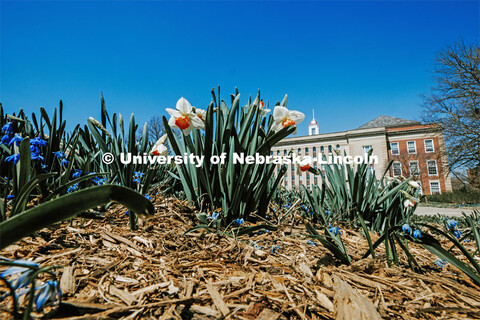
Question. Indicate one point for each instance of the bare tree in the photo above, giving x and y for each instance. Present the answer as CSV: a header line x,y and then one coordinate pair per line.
x,y
155,128
454,102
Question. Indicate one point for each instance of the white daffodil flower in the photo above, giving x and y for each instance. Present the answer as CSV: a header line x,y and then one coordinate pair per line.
x,y
184,117
409,203
303,165
159,149
262,108
413,184
202,114
283,117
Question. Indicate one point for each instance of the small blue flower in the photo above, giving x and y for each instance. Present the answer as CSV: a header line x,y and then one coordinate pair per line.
x,y
275,248
466,240
440,262
148,197
10,196
64,162
127,212
457,234
327,212
239,222
406,228
59,154
47,294
214,216
7,128
417,234
99,181
6,139
38,142
77,174
256,246
13,158
451,224
311,213
72,188
334,230
35,153
17,139
312,243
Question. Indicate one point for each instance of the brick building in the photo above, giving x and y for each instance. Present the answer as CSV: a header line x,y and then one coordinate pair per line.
x,y
416,149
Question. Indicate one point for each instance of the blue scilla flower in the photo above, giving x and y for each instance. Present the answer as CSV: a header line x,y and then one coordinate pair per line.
x,y
13,158
10,196
17,139
312,243
72,188
20,276
38,142
327,212
239,222
99,181
138,174
59,154
127,212
148,197
275,248
457,234
64,162
311,213
47,295
406,228
417,234
334,230
77,174
440,262
35,153
214,216
451,224
6,139
8,128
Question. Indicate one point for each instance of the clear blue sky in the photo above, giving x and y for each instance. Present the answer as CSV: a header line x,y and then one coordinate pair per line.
x,y
350,61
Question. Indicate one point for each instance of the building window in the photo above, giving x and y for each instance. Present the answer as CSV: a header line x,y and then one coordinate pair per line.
x,y
293,168
306,151
394,148
308,176
322,149
414,168
284,152
338,147
435,187
278,152
299,151
314,150
293,177
432,167
429,146
411,147
300,179
330,148
366,149
397,169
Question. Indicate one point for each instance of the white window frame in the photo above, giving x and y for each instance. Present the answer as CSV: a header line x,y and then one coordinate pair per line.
x,y
414,146
425,144
369,147
391,148
410,167
439,187
393,168
436,168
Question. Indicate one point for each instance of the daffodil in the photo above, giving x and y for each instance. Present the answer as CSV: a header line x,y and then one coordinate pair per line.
x,y
202,114
262,108
184,117
303,165
413,184
283,117
159,148
409,203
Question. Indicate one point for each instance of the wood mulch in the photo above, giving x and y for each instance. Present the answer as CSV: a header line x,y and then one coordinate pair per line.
x,y
111,272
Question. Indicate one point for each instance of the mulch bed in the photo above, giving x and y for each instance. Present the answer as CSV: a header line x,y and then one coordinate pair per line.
x,y
154,273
